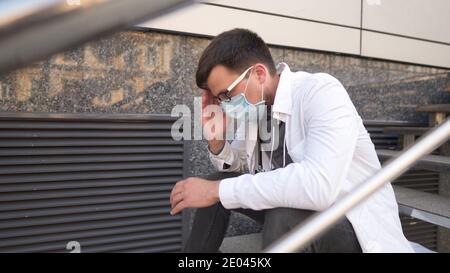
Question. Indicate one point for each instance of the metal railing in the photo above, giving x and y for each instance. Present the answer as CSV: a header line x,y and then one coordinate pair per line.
x,y
303,234
34,29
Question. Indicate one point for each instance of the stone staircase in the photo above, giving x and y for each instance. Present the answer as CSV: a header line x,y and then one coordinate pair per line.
x,y
432,208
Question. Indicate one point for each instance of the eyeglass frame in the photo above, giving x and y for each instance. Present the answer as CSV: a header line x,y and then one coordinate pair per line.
x,y
228,91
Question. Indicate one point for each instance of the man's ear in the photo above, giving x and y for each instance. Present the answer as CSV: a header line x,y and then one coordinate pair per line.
x,y
260,71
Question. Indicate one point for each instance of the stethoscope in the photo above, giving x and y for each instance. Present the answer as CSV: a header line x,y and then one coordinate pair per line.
x,y
260,167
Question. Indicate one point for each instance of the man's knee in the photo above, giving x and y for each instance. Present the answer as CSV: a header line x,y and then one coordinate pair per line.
x,y
279,221
289,216
208,213
221,175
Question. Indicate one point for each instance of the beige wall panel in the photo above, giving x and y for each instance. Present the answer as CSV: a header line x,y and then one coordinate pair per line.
x,y
212,20
343,12
424,19
404,49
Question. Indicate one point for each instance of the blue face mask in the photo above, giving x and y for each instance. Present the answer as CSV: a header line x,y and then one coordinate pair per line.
x,y
239,107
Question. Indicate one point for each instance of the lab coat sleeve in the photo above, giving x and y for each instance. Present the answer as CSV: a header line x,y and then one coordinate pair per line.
x,y
315,182
232,158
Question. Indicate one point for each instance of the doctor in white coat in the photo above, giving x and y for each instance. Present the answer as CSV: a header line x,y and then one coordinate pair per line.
x,y
329,149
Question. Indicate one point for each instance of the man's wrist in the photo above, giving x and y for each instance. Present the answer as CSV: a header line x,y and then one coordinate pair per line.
x,y
216,190
216,147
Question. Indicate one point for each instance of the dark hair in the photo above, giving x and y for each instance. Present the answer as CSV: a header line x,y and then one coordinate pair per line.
x,y
236,49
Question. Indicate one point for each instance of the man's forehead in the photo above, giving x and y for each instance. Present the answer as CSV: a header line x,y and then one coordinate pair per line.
x,y
220,78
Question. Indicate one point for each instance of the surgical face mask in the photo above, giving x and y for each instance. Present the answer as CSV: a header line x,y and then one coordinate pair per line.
x,y
239,107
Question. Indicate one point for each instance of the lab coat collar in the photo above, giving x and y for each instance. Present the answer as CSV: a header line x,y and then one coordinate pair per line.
x,y
282,104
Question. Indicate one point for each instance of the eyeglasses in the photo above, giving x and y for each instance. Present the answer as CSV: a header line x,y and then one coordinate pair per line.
x,y
224,96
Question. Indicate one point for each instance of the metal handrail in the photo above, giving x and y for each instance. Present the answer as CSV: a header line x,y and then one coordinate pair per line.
x,y
34,29
304,233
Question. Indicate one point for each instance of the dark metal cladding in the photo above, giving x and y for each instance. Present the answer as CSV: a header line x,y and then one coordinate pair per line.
x,y
101,180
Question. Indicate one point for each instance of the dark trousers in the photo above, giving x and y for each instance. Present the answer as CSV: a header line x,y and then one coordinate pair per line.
x,y
211,223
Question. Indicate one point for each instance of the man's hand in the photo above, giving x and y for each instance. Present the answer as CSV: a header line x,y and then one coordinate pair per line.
x,y
194,192
216,138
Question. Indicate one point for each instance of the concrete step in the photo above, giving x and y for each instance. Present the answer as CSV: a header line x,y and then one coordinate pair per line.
x,y
436,163
428,207
250,243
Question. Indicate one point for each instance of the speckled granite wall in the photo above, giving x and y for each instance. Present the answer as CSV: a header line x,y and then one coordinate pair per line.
x,y
149,72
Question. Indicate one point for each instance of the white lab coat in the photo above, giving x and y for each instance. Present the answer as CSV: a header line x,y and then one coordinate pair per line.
x,y
331,152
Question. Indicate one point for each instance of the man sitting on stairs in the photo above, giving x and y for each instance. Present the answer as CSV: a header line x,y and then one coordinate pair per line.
x,y
319,150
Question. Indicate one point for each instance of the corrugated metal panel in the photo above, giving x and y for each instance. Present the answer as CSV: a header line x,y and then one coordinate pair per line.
x,y
420,232
101,180
421,180
415,230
